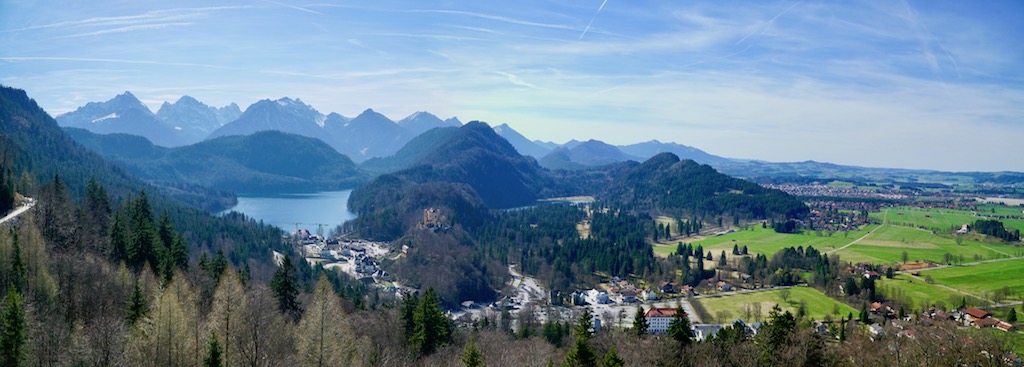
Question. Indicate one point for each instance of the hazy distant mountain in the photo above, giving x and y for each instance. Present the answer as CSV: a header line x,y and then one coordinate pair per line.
x,y
590,153
520,142
546,144
122,114
368,135
572,143
651,148
285,114
420,122
194,119
267,161
413,151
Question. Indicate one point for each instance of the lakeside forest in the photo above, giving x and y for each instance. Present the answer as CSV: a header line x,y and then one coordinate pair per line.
x,y
106,269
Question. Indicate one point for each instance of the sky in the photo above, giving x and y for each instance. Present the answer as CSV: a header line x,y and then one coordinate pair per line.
x,y
903,84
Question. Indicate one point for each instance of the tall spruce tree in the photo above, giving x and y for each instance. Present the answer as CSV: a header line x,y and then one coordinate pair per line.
x,y
433,329
640,324
582,354
286,288
14,334
679,328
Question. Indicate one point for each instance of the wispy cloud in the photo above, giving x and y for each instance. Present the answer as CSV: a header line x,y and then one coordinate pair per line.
x,y
497,18
155,16
296,7
118,61
514,79
140,27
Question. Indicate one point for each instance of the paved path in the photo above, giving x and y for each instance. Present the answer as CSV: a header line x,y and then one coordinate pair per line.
x,y
14,214
854,241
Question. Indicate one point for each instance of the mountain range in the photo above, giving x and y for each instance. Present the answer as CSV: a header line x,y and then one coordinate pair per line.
x,y
261,162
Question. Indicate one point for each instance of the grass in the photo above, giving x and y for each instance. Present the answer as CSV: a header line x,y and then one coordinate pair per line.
x,y
943,219
732,306
983,278
766,241
888,243
915,291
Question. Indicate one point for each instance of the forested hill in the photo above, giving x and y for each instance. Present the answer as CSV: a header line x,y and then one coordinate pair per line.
x,y
38,150
267,161
667,184
474,155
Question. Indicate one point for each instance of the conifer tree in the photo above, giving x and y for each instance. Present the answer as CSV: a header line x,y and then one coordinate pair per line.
x,y
582,354
640,324
286,289
19,276
213,353
325,337
432,328
612,359
1011,316
137,306
471,356
14,333
679,328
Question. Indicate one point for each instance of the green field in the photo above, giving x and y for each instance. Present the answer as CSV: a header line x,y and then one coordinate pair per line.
x,y
767,242
818,304
944,219
916,292
887,244
983,279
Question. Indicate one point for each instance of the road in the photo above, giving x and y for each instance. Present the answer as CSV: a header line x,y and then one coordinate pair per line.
x,y
30,202
854,241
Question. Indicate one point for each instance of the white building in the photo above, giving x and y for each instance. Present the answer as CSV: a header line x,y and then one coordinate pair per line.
x,y
658,319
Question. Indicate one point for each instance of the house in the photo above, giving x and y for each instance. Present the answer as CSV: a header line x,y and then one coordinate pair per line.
x,y
876,307
704,331
658,319
1005,326
723,286
876,331
975,314
872,275
668,287
964,229
649,295
628,295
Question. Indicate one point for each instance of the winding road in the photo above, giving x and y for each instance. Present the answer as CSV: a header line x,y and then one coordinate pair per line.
x,y
29,203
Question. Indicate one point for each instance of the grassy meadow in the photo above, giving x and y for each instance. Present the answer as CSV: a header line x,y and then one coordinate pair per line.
x,y
732,306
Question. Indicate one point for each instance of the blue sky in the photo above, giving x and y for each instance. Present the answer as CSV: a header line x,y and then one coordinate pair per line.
x,y
915,84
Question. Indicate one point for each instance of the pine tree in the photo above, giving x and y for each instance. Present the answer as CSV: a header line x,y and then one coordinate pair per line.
x,y
640,324
19,276
409,306
137,306
13,336
432,328
1011,316
213,353
679,328
286,289
471,356
119,241
612,359
582,354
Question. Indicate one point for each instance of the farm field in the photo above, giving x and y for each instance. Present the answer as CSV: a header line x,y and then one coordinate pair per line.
x,y
983,279
767,242
732,306
887,244
943,219
916,291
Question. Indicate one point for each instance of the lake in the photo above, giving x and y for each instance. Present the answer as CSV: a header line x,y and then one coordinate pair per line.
x,y
307,209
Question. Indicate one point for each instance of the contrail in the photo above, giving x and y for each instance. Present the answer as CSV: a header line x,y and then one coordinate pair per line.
x,y
768,24
592,19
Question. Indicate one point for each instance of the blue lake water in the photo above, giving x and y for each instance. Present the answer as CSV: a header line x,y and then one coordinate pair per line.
x,y
307,209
